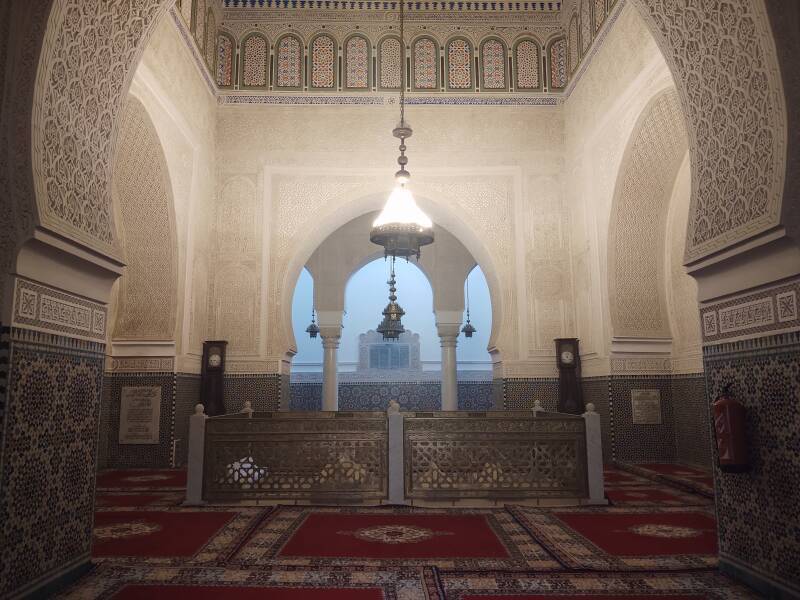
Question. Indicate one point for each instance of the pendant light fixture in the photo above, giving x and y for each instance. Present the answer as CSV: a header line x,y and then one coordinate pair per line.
x,y
401,228
313,329
391,327
468,329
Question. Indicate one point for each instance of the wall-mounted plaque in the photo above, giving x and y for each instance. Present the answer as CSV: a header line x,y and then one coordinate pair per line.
x,y
139,415
646,405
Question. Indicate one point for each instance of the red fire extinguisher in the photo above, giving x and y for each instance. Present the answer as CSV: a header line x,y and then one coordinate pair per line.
x,y
730,430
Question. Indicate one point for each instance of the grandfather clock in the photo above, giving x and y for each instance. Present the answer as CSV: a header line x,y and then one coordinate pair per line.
x,y
570,398
212,377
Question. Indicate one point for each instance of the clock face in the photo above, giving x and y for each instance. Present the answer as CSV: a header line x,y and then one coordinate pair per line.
x,y
214,360
567,357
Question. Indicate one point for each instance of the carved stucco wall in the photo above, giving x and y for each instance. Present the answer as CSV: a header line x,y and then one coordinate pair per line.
x,y
625,74
146,229
684,317
636,244
172,89
310,187
724,59
83,78
235,290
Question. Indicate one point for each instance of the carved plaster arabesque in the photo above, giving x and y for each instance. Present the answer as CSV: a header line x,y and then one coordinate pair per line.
x,y
235,294
81,88
637,294
141,185
723,58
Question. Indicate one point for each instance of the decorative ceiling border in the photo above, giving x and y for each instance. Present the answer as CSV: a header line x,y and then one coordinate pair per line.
x,y
287,98
387,100
393,5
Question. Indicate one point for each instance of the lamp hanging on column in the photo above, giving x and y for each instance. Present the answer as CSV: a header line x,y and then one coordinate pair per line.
x,y
313,329
401,228
468,329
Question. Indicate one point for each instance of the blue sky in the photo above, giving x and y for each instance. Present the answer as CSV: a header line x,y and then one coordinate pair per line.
x,y
366,296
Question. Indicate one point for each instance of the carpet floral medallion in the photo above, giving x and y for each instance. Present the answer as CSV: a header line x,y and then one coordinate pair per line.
x,y
625,539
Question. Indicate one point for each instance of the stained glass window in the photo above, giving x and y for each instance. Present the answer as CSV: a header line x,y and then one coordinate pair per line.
x,y
254,61
493,62
527,62
224,67
425,76
289,62
459,64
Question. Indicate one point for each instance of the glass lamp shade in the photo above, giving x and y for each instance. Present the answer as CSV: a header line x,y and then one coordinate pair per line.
x,y
468,330
312,330
402,228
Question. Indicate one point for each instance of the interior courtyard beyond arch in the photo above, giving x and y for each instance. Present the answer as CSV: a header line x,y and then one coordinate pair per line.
x,y
625,173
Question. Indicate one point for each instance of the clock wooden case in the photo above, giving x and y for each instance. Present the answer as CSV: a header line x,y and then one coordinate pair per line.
x,y
570,396
212,377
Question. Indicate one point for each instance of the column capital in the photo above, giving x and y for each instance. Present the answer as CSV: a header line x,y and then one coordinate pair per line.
x,y
330,342
448,341
448,330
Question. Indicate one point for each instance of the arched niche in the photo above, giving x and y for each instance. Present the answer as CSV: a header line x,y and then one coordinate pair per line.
x,y
440,213
637,229
144,206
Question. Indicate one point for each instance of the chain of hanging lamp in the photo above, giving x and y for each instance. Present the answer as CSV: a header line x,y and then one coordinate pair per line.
x,y
401,228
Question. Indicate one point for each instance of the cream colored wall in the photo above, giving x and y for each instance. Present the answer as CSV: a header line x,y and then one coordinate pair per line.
x,y
624,75
684,317
170,86
527,190
491,176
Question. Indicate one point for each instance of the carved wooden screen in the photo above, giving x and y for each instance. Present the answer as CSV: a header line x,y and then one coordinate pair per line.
x,y
510,454
317,457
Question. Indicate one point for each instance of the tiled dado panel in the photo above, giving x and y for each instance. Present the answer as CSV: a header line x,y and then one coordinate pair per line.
x,y
125,456
596,390
376,396
264,391
692,426
48,456
637,443
522,393
758,512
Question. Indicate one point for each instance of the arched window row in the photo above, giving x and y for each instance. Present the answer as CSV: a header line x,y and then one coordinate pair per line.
x,y
356,62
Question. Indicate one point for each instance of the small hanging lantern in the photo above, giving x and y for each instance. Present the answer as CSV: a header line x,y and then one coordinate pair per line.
x,y
468,329
391,327
312,330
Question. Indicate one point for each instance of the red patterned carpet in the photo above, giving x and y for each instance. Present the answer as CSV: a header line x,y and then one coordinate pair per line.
x,y
393,536
646,534
216,592
655,541
153,534
142,479
582,597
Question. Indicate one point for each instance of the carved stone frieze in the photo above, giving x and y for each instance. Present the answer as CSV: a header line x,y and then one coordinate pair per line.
x,y
46,309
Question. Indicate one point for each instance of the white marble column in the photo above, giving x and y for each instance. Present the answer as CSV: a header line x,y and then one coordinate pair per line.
x,y
330,379
448,337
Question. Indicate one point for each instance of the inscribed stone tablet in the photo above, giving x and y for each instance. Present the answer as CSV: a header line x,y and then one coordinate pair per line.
x,y
139,415
646,405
